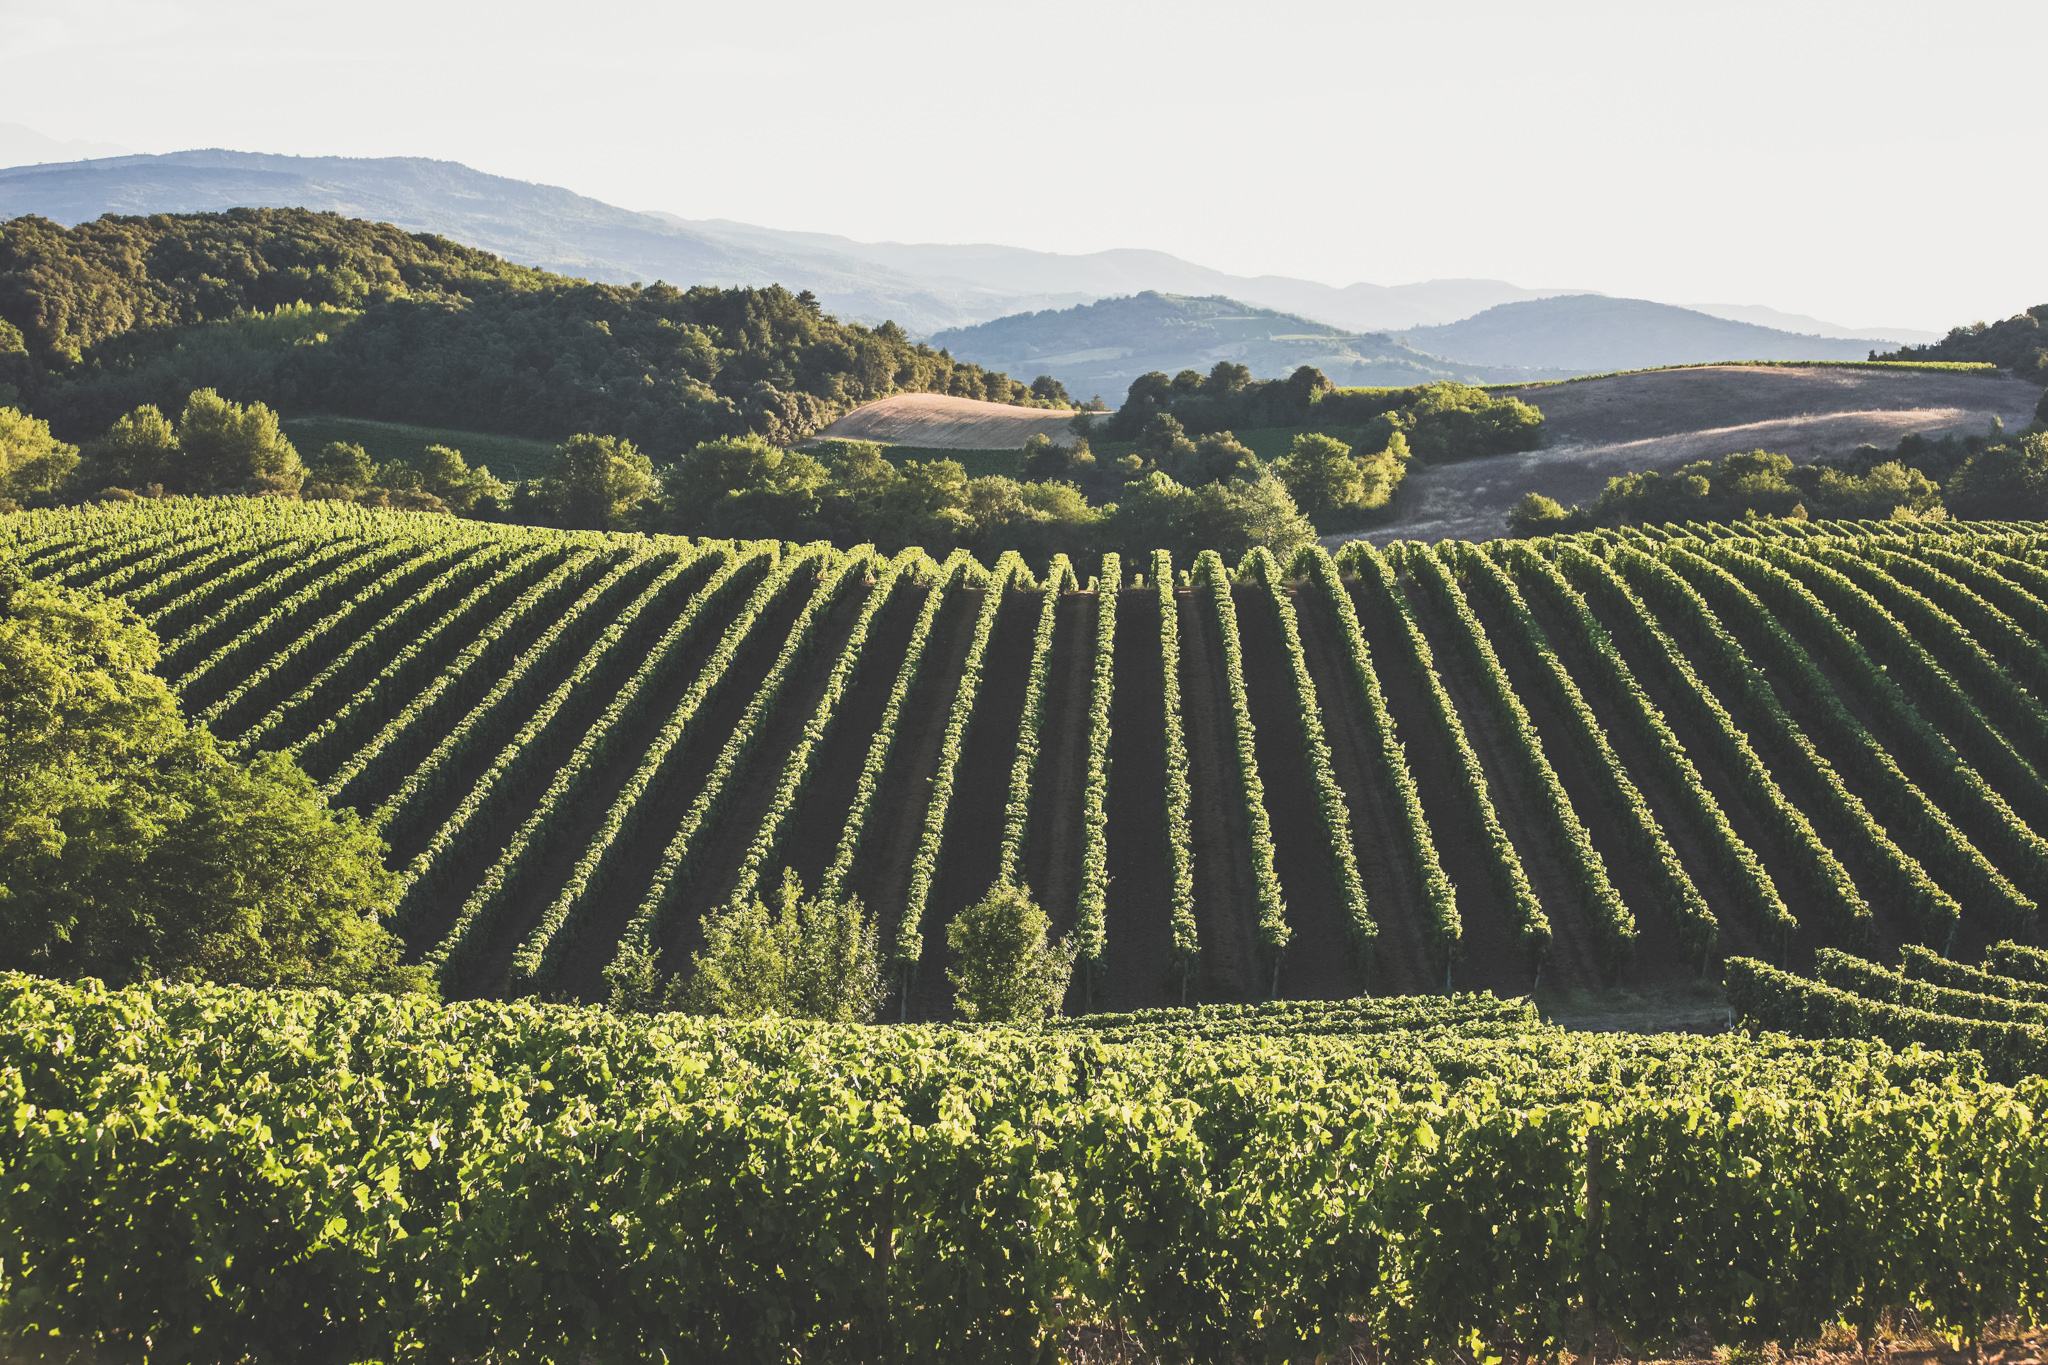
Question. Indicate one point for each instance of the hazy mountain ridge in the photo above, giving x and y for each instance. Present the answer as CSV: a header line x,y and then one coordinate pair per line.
x,y
925,287
1591,333
1099,348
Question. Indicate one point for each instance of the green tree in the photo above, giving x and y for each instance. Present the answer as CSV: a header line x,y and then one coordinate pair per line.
x,y
141,448
595,483
1004,969
1227,377
467,491
2041,409
2007,482
1537,515
31,460
1322,475
1046,389
344,466
807,959
225,447
1164,439
742,486
130,847
1459,422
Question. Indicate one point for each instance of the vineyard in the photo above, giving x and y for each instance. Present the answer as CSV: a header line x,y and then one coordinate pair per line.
x,y
1617,758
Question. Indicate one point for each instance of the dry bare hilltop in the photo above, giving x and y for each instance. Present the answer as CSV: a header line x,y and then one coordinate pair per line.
x,y
1661,419
932,421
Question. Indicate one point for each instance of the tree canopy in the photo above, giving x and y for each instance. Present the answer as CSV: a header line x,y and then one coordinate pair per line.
x,y
131,848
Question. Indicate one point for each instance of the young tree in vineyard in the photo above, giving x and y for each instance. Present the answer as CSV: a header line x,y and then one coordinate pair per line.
x,y
1007,972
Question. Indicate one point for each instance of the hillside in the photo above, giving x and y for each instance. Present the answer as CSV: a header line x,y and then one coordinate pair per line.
x,y
1099,348
312,312
922,286
1595,429
1592,334
578,742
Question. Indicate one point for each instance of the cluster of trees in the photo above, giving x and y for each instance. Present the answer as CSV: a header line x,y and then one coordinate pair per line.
x,y
851,493
217,446
132,848
2020,344
1436,422
1982,477
313,311
821,958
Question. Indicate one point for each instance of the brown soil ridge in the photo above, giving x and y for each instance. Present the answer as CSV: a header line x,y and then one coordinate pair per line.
x,y
1138,956
1225,897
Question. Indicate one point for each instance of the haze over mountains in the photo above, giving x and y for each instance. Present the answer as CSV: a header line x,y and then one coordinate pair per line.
x,y
1477,330
923,287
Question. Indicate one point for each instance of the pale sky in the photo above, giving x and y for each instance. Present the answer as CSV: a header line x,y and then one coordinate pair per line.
x,y
1868,162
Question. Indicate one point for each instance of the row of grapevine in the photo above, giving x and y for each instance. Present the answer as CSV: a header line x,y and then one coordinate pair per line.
x,y
1017,809
1531,926
1439,909
909,946
1268,906
1180,829
1734,859
1678,899
1091,907
1329,796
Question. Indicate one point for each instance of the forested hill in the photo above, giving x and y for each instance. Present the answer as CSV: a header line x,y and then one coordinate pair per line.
x,y
1101,347
2020,343
312,311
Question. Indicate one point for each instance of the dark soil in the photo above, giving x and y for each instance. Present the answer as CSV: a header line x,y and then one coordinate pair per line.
x,y
1379,837
509,805
970,853
811,838
1734,935
1226,904
881,873
366,670
1138,957
600,919
1659,960
1055,839
1317,964
1490,958
715,868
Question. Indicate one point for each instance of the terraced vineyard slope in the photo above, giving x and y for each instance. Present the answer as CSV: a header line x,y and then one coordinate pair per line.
x,y
1611,759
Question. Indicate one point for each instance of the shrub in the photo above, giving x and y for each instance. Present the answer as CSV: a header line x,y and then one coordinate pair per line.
x,y
1006,971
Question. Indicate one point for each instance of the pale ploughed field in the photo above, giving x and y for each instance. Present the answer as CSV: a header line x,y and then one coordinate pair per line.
x,y
933,421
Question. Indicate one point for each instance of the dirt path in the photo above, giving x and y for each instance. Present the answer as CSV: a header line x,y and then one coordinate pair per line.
x,y
1378,831
1317,965
1053,839
970,855
1139,954
1226,904
1595,429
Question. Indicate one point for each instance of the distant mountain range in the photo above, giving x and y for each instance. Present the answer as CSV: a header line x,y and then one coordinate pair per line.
x,y
1099,348
925,288
1591,333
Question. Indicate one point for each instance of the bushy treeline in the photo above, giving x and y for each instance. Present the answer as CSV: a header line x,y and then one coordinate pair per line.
x,y
1975,477
2019,343
315,312
1442,421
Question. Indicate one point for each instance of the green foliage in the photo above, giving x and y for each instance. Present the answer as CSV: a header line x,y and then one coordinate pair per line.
x,y
1460,422
1091,925
2007,482
1232,518
596,483
1005,972
2019,343
1537,515
806,959
130,847
32,462
1324,476
317,312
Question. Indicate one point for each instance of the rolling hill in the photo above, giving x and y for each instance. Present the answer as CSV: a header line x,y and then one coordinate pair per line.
x,y
1593,334
924,287
1597,428
579,745
1099,348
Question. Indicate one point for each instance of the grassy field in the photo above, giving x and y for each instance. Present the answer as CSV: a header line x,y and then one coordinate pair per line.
x,y
509,457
